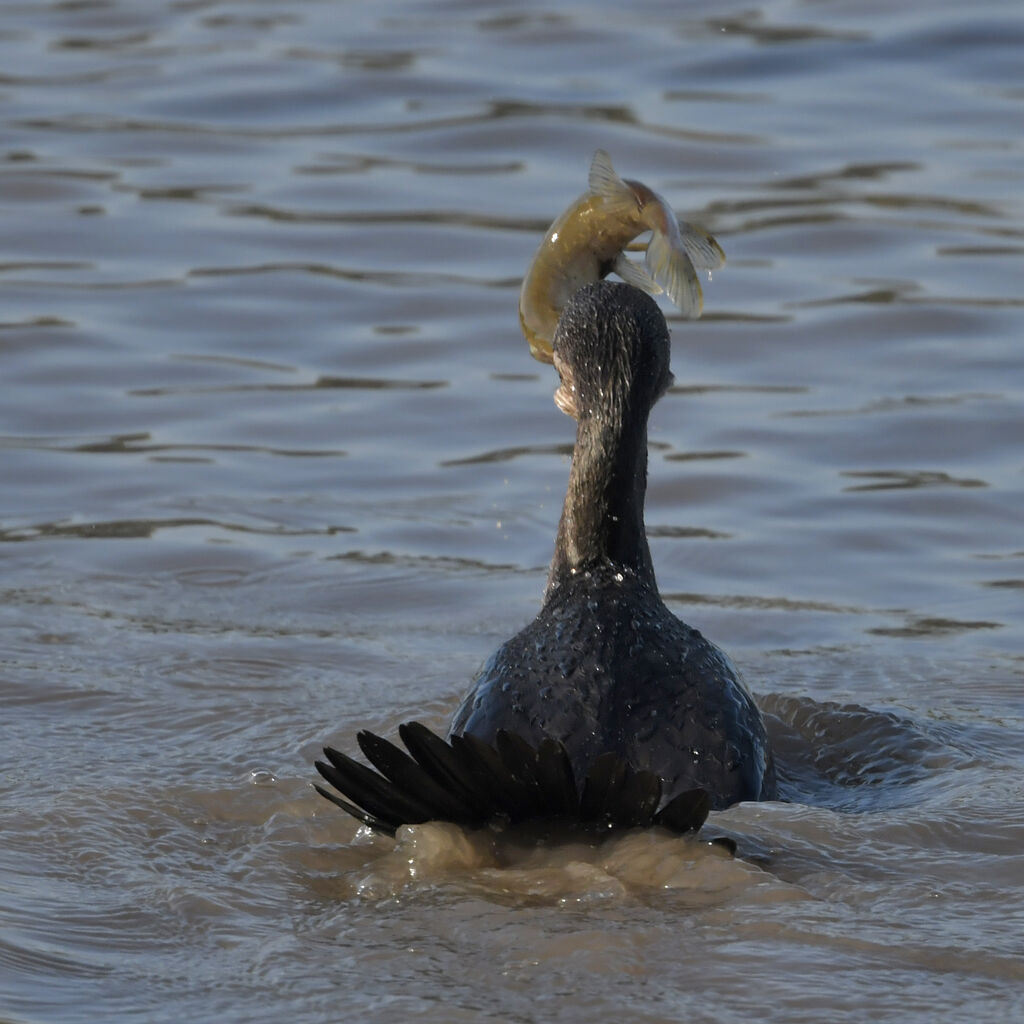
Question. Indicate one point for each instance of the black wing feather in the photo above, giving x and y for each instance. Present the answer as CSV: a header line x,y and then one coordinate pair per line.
x,y
557,780
468,781
685,812
601,788
367,819
445,765
511,797
411,778
638,799
371,791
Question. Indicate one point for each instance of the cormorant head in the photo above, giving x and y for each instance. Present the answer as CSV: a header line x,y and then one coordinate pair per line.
x,y
611,350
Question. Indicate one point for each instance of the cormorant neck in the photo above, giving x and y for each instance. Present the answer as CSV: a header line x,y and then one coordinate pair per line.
x,y
602,522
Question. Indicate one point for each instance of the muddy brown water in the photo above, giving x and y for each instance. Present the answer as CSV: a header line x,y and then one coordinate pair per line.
x,y
276,466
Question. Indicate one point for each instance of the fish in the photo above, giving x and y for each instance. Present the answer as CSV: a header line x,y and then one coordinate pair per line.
x,y
588,242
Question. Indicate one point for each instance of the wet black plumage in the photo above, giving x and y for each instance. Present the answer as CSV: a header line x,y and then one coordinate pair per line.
x,y
605,708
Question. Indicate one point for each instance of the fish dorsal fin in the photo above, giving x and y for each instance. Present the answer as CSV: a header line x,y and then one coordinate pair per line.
x,y
603,180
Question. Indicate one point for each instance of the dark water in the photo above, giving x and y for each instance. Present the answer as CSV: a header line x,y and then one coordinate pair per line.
x,y
276,465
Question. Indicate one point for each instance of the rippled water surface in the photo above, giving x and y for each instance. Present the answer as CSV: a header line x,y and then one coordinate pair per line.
x,y
276,465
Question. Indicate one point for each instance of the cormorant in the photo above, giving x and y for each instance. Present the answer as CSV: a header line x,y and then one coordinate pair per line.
x,y
606,708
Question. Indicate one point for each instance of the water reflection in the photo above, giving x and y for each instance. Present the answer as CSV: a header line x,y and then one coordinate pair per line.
x,y
134,444
145,529
900,480
507,454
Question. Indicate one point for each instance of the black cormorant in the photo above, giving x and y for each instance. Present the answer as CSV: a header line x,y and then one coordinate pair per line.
x,y
606,708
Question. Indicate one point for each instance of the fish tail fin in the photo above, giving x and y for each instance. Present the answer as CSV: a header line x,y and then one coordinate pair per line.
x,y
670,265
468,781
604,181
701,246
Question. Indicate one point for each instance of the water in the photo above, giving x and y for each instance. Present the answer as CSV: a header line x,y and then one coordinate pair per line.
x,y
276,466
